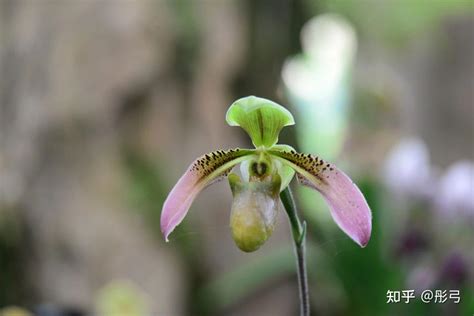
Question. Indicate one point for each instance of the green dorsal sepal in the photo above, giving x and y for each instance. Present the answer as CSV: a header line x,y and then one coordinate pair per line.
x,y
262,119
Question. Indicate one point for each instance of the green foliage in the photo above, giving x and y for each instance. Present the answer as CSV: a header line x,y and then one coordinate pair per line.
x,y
392,21
367,275
233,287
146,190
13,252
121,298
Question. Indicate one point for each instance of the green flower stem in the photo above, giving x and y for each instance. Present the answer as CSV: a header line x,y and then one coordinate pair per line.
x,y
298,230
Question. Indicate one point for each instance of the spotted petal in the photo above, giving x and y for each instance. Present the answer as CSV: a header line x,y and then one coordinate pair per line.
x,y
202,172
348,206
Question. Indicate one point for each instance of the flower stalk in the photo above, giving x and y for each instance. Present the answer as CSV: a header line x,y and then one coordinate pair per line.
x,y
298,230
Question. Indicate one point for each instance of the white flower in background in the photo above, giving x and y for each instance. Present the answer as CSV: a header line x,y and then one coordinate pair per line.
x,y
421,277
455,194
407,170
329,45
317,83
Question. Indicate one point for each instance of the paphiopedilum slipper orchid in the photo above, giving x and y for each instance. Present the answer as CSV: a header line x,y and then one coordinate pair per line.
x,y
265,171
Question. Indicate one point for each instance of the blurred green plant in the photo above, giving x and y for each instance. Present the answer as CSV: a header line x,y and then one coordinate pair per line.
x,y
14,311
13,251
121,298
146,191
393,22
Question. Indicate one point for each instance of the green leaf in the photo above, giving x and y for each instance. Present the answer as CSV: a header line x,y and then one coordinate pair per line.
x,y
262,119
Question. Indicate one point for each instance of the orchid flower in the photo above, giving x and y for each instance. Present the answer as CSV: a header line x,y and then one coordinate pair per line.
x,y
265,171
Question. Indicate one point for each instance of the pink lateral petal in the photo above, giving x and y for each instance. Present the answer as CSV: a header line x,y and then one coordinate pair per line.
x,y
201,173
349,209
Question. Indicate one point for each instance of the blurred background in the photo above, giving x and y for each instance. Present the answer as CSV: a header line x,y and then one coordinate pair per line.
x,y
104,104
